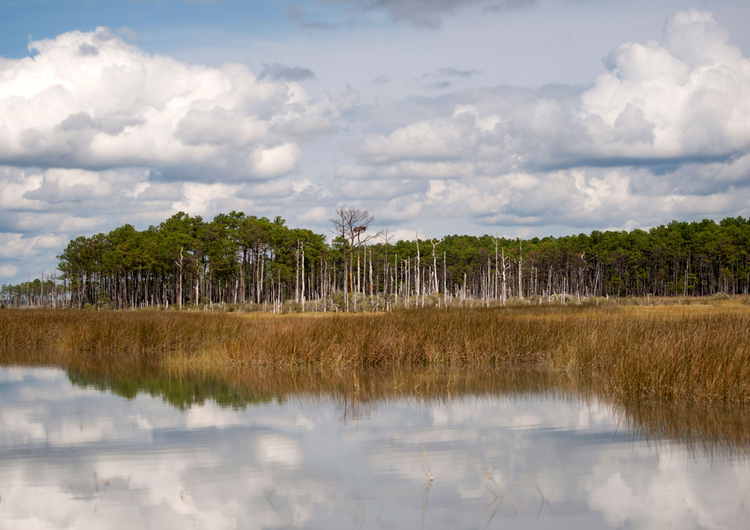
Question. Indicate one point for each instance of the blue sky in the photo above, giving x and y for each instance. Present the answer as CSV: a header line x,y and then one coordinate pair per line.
x,y
181,19
510,117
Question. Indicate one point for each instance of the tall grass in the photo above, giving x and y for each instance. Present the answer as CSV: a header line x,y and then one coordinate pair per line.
x,y
674,352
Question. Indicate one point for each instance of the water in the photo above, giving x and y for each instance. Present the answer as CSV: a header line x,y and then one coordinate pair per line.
x,y
75,456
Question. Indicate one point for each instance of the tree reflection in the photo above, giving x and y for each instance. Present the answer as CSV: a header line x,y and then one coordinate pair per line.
x,y
696,425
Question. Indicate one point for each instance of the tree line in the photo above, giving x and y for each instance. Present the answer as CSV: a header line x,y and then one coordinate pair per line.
x,y
238,260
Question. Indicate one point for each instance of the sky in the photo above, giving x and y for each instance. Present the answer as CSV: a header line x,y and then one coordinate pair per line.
x,y
508,117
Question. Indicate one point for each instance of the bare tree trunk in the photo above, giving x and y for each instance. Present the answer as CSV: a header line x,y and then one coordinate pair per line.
x,y
396,278
408,287
386,272
354,282
520,268
323,282
445,278
495,240
296,279
180,291
262,277
489,281
505,279
197,286
359,283
417,272
346,291
370,279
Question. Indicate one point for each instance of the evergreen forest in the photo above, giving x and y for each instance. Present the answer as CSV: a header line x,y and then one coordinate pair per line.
x,y
253,263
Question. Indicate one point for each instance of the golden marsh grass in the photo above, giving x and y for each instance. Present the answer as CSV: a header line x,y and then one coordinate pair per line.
x,y
664,352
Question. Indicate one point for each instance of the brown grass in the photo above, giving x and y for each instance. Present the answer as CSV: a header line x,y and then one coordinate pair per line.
x,y
665,352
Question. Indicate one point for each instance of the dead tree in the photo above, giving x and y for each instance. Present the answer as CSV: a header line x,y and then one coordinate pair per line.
x,y
386,272
434,264
350,224
505,268
340,225
520,268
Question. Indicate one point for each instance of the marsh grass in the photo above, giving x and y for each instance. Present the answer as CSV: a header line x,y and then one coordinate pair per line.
x,y
662,352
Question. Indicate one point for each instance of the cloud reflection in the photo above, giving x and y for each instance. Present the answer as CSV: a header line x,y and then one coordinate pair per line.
x,y
78,457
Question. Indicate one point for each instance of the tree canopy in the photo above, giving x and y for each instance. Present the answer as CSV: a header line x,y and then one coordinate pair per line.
x,y
243,259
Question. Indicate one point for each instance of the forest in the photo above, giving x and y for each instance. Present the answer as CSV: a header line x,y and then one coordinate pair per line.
x,y
239,261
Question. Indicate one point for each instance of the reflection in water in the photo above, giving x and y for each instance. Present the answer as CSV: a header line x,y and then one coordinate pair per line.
x,y
694,424
259,449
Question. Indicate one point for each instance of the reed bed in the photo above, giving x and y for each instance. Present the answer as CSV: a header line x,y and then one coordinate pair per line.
x,y
664,352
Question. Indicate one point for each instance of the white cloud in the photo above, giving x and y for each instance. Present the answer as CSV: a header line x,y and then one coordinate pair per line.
x,y
510,156
8,271
14,184
92,100
198,197
314,214
16,246
442,138
275,161
97,133
404,234
685,97
44,209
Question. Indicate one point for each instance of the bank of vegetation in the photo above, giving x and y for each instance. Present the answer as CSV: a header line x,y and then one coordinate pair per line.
x,y
695,352
249,263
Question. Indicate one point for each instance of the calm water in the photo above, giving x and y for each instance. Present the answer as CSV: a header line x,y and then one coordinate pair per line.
x,y
73,456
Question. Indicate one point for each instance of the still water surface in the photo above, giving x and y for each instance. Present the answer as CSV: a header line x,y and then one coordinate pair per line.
x,y
75,456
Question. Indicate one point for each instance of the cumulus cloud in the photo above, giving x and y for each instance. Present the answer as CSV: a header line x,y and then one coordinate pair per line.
x,y
91,100
198,197
17,246
43,209
685,96
8,271
97,133
45,192
317,214
275,161
682,98
663,133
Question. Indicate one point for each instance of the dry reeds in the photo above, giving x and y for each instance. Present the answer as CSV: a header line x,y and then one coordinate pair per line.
x,y
675,352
